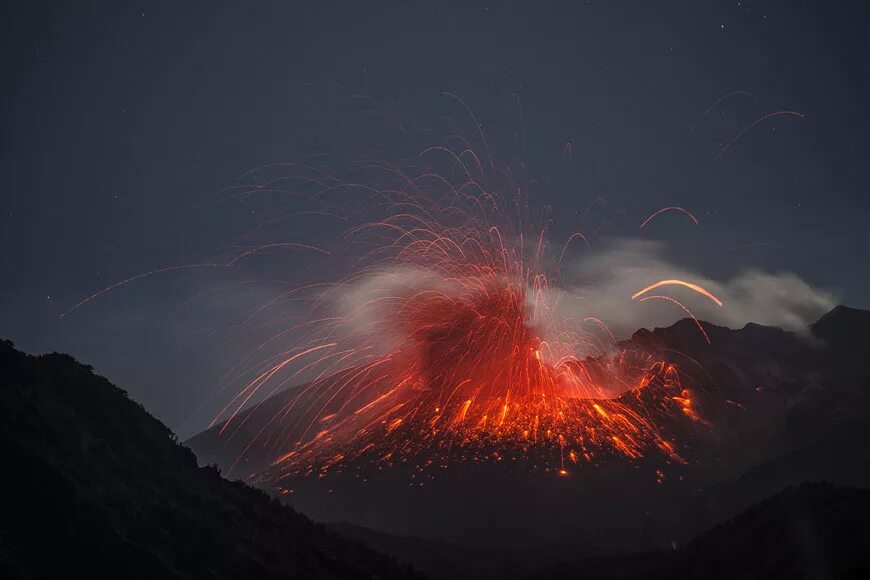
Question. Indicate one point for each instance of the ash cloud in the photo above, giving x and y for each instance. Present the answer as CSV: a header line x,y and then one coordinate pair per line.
x,y
602,283
599,285
368,306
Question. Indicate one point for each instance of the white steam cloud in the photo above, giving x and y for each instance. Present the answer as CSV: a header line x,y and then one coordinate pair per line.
x,y
601,285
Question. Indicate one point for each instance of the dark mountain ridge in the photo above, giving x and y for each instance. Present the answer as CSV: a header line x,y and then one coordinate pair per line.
x,y
95,487
815,531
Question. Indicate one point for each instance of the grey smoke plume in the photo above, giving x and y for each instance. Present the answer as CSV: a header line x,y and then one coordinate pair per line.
x,y
600,286
602,283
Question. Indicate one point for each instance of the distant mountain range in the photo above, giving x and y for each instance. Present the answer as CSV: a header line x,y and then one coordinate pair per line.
x,y
96,487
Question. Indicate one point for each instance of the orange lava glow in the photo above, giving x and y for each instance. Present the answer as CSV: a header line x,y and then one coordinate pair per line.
x,y
452,348
688,285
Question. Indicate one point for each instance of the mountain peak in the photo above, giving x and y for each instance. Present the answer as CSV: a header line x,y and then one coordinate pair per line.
x,y
842,324
843,314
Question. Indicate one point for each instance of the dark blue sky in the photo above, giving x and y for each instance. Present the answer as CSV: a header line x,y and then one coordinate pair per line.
x,y
121,119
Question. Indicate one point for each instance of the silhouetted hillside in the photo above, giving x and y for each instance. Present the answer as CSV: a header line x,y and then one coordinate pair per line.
x,y
93,486
810,531
814,531
838,456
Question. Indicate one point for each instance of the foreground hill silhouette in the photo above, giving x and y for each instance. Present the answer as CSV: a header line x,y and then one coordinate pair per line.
x,y
95,487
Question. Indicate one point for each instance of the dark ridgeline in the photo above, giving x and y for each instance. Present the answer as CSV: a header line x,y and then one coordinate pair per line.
x,y
812,531
95,487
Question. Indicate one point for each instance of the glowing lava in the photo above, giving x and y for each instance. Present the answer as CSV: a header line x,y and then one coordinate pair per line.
x,y
471,384
448,346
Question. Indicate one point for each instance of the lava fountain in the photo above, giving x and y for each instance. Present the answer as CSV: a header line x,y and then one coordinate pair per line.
x,y
445,343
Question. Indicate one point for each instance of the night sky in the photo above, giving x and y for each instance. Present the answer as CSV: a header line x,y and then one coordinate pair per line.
x,y
122,120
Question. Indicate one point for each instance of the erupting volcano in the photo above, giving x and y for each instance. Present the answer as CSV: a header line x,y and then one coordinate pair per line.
x,y
473,382
447,344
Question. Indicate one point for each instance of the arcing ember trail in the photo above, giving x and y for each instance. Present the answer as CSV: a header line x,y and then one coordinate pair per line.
x,y
445,343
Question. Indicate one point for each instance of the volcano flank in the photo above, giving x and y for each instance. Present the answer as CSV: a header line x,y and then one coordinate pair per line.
x,y
568,481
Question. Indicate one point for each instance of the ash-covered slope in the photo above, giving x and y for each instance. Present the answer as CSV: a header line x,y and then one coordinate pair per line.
x,y
95,487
